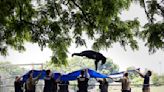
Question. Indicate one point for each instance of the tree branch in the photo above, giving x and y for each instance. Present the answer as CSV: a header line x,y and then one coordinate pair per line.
x,y
147,14
32,24
58,13
83,12
161,9
20,11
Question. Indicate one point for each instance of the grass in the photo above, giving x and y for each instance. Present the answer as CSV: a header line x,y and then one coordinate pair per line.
x,y
137,89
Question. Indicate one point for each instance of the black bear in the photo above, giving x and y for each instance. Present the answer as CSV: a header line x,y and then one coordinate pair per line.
x,y
92,55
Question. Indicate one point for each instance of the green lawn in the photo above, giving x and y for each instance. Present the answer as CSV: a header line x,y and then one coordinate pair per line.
x,y
138,89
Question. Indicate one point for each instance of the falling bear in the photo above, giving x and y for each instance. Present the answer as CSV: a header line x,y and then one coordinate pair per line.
x,y
92,55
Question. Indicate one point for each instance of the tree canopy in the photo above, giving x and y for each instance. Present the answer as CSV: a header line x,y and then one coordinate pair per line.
x,y
59,23
153,32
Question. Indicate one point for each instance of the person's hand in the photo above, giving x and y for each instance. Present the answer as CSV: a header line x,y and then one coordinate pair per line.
x,y
31,74
21,77
137,70
50,74
86,70
60,74
111,78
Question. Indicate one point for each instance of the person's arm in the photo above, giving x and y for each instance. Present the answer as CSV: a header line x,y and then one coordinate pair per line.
x,y
140,73
37,78
120,80
110,78
98,80
87,74
58,79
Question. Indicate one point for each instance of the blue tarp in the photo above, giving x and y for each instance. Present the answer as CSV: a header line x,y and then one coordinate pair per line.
x,y
120,74
35,73
65,77
73,75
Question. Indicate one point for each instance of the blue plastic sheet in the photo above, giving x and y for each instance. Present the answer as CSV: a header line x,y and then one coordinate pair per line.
x,y
65,77
73,75
120,74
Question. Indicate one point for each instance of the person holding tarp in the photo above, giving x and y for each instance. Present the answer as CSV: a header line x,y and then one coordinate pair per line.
x,y
125,83
63,86
103,84
83,81
55,82
146,83
48,82
18,84
31,82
